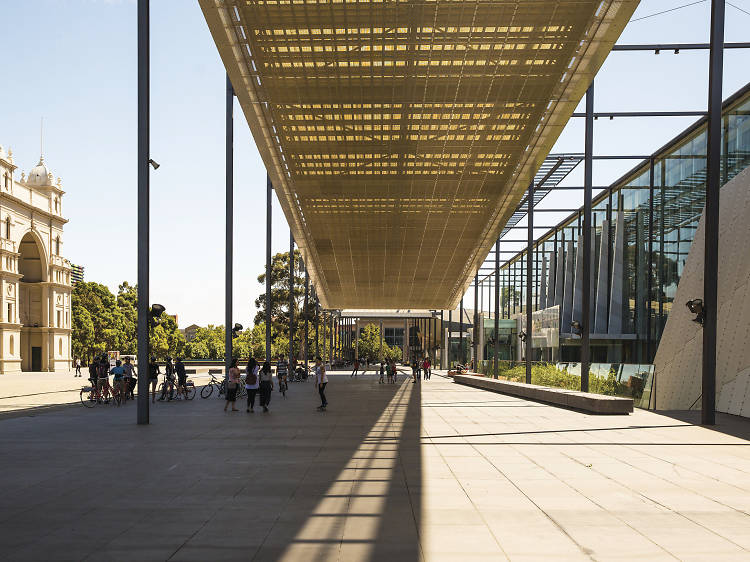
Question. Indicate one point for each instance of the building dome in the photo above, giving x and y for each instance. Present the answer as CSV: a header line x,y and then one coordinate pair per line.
x,y
39,175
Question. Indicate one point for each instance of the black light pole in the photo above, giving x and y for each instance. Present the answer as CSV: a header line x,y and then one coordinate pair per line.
x,y
461,332
529,279
307,323
475,346
143,208
229,225
588,161
291,299
497,301
317,321
442,339
713,185
269,195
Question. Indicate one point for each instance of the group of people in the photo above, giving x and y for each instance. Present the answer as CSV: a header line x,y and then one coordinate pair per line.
x,y
423,367
175,379
124,376
259,380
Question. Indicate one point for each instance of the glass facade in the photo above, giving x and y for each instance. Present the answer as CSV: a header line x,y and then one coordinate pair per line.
x,y
642,229
394,337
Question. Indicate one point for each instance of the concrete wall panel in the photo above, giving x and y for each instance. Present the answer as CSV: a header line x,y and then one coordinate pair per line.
x,y
678,361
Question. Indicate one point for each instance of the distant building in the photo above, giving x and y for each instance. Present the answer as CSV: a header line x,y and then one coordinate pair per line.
x,y
35,280
76,274
190,332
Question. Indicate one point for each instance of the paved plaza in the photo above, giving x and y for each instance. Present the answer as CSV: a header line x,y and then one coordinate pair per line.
x,y
434,471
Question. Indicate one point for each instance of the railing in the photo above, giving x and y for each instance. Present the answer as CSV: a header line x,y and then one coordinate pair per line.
x,y
631,380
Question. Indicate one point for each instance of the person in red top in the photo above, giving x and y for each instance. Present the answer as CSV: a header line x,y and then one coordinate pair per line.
x,y
356,368
426,367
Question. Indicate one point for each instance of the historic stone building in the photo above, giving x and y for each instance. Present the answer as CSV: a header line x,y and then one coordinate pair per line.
x,y
35,280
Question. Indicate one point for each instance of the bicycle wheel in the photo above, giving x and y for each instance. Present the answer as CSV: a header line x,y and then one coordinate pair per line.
x,y
206,391
87,398
190,393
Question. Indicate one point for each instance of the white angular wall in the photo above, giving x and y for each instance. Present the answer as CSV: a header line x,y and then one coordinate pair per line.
x,y
678,359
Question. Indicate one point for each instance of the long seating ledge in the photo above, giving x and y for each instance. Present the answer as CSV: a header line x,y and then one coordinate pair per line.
x,y
585,401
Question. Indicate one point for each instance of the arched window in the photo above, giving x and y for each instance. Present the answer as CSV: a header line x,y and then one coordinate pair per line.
x,y
7,181
7,228
57,246
57,204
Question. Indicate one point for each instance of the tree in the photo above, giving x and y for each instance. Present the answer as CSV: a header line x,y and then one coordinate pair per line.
x,y
102,322
369,346
280,307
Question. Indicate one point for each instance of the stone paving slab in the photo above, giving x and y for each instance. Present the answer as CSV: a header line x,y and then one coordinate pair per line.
x,y
431,471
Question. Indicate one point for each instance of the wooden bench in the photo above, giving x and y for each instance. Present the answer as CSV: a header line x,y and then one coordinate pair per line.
x,y
215,371
584,401
189,371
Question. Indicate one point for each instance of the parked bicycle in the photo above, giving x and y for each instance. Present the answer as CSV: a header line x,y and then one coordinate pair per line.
x,y
208,390
92,396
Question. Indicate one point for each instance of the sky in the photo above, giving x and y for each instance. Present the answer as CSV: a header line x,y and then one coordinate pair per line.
x,y
73,63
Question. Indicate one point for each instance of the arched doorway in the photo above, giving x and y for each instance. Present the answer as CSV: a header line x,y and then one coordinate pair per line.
x,y
33,268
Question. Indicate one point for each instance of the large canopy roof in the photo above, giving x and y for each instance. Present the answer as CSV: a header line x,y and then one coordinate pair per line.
x,y
400,136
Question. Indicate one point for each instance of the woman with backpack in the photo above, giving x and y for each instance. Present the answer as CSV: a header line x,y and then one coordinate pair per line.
x,y
251,382
265,379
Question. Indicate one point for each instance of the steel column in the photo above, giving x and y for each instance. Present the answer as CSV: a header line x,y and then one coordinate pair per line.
x,y
306,315
713,185
497,304
229,228
586,246
269,195
529,279
317,320
461,333
143,209
650,289
291,299
475,331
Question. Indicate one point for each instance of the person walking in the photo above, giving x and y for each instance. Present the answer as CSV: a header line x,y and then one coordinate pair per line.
x,y
232,385
78,367
382,372
426,366
321,380
356,368
251,383
265,386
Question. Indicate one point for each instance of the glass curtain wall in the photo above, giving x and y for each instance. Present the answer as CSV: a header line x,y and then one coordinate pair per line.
x,y
659,211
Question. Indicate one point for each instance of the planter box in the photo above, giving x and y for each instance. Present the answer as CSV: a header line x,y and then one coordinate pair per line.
x,y
584,401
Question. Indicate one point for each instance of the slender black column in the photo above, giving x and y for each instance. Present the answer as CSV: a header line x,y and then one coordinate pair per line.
x,y
713,185
586,246
475,331
442,339
317,320
497,304
304,312
461,358
143,208
650,289
291,299
269,195
330,341
323,353
529,279
450,330
229,226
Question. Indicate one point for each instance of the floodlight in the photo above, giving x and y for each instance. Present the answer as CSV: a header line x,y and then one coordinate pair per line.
x,y
154,164
157,310
575,325
696,307
522,336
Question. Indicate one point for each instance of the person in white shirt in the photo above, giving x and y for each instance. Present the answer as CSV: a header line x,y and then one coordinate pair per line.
x,y
321,380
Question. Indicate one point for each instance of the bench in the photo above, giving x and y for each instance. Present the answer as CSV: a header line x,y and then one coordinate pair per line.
x,y
584,401
215,371
189,371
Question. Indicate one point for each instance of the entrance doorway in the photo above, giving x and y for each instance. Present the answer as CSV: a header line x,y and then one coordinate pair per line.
x,y
36,359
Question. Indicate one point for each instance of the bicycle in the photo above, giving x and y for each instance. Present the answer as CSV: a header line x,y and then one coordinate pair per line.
x,y
91,395
220,385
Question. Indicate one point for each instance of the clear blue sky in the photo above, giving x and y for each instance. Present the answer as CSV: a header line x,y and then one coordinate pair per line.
x,y
74,63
